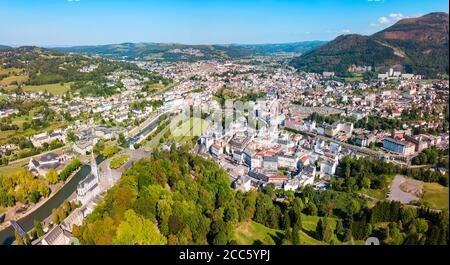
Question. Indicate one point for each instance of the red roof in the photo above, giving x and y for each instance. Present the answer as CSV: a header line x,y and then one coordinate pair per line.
x,y
304,158
278,178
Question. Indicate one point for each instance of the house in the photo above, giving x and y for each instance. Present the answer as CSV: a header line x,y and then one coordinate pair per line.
x,y
399,146
45,138
216,149
328,74
364,141
278,179
287,161
106,133
41,165
83,147
75,218
270,163
337,127
328,166
305,178
303,161
243,183
57,237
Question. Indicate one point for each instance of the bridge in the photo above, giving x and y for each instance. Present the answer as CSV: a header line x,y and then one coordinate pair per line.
x,y
18,228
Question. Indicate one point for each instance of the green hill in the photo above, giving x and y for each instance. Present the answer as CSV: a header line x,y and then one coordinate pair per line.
x,y
182,52
418,45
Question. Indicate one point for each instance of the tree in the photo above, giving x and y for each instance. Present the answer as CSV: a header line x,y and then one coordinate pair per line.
x,y
339,231
19,239
122,140
311,209
365,182
38,229
55,218
296,235
52,177
136,230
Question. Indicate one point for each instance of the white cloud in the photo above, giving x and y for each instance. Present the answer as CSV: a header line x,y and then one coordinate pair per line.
x,y
383,20
396,16
73,1
345,31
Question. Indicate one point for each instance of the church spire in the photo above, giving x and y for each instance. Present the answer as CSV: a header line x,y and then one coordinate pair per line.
x,y
94,166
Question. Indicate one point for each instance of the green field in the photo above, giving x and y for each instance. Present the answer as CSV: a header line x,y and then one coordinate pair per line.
x,y
12,168
55,89
436,195
11,79
118,161
251,233
9,71
200,126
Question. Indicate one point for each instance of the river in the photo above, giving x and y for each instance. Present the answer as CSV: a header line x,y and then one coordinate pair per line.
x,y
45,210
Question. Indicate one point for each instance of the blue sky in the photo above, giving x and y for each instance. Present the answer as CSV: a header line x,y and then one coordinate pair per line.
x,y
87,22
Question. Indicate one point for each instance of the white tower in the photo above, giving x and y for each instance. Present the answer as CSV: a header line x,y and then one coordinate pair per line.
x,y
94,167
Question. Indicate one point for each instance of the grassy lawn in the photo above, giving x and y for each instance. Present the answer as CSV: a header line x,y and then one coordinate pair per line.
x,y
155,86
353,79
250,233
436,195
376,194
10,79
9,71
55,89
118,161
12,168
200,126
310,222
3,97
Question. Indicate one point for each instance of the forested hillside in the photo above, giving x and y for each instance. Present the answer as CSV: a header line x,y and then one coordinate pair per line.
x,y
178,198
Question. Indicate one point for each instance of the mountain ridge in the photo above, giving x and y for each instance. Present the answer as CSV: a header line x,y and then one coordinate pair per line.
x,y
419,45
186,52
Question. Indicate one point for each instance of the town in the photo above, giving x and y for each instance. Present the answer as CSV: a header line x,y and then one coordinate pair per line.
x,y
294,130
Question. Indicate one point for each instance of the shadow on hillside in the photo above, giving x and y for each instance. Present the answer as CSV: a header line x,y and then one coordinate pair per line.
x,y
312,234
277,238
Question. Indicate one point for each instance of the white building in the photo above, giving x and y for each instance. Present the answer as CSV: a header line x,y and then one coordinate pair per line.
x,y
89,187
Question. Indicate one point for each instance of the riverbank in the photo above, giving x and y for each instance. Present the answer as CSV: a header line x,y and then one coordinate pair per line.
x,y
34,207
45,210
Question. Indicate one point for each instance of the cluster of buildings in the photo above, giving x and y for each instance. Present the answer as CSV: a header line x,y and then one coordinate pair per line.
x,y
41,165
398,75
408,145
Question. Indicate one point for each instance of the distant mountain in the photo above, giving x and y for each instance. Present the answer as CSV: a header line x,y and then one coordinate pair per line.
x,y
419,45
4,47
37,66
182,52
